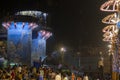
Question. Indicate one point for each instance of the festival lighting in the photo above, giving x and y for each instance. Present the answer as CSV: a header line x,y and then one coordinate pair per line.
x,y
7,25
19,33
20,41
111,19
38,14
111,32
32,13
110,6
45,34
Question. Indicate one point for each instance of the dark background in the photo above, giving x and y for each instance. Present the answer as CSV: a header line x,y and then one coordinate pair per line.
x,y
74,23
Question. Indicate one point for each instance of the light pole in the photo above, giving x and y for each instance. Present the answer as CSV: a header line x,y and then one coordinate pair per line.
x,y
111,63
62,54
78,59
111,58
101,65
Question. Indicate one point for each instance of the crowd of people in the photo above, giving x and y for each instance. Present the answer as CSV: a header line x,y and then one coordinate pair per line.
x,y
23,72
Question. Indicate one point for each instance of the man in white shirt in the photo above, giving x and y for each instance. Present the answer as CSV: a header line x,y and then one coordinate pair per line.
x,y
58,76
85,77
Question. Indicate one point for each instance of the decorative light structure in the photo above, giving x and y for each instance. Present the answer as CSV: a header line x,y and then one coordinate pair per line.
x,y
111,32
19,33
42,32
37,14
39,44
21,44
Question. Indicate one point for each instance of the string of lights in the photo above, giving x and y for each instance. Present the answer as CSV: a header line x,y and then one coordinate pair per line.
x,y
111,32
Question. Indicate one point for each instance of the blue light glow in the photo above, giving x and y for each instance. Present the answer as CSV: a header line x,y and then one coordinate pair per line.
x,y
19,25
38,48
19,43
118,24
23,44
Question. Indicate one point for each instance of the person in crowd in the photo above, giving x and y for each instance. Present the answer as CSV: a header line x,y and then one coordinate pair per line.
x,y
65,76
79,77
85,77
73,77
41,76
58,76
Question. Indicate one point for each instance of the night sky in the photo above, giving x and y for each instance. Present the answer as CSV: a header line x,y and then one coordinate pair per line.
x,y
74,22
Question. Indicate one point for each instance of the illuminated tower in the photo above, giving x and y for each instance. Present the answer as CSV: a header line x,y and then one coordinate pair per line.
x,y
112,34
39,44
23,45
42,32
19,38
